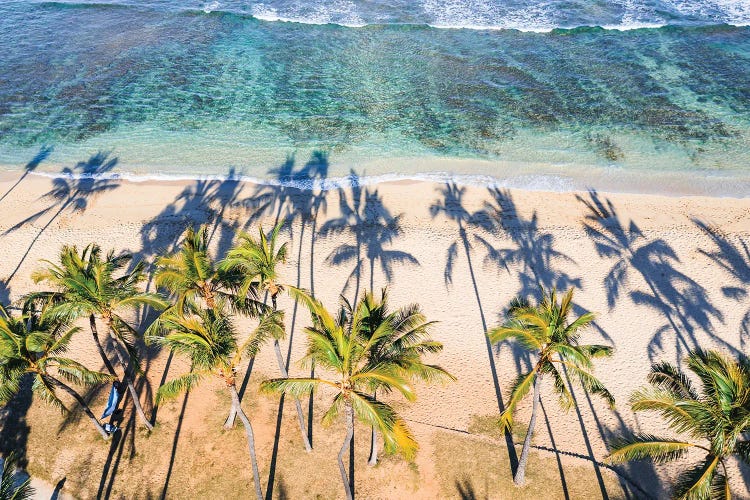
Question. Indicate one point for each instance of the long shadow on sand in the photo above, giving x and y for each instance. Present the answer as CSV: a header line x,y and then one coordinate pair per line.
x,y
365,216
734,258
73,190
42,155
682,301
451,205
532,254
297,194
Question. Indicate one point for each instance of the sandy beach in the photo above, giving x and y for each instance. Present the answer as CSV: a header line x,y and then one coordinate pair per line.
x,y
665,274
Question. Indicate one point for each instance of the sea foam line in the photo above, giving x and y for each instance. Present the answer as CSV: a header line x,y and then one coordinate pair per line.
x,y
213,8
530,182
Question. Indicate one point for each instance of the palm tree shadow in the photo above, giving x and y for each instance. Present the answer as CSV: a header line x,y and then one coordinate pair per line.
x,y
734,258
533,253
72,190
295,194
560,469
14,429
465,490
682,301
451,205
204,201
42,155
373,227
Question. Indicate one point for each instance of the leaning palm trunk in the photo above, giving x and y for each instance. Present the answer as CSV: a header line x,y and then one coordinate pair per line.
x,y
520,476
349,415
250,439
128,380
297,404
373,441
99,347
83,404
373,448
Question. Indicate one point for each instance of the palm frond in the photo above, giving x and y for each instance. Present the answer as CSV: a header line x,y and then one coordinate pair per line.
x,y
180,385
642,446
697,483
295,387
396,434
523,384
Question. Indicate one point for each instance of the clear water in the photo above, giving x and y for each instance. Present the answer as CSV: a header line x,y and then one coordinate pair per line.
x,y
643,95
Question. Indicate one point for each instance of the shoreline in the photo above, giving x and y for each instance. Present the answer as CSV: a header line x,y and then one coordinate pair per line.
x,y
544,183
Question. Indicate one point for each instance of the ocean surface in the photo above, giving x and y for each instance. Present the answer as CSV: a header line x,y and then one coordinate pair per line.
x,y
628,95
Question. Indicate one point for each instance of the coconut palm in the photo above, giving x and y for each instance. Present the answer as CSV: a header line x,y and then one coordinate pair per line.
x,y
208,338
335,346
85,284
714,420
547,331
257,262
192,276
9,490
402,339
34,344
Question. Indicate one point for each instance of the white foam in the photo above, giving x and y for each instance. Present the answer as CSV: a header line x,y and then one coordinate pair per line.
x,y
526,182
210,7
338,12
658,184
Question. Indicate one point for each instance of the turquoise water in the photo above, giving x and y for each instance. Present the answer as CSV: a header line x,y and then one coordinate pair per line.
x,y
529,93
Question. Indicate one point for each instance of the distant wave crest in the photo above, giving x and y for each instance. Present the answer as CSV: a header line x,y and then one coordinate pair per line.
x,y
537,16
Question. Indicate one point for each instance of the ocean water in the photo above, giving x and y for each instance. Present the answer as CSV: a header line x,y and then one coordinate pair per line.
x,y
633,95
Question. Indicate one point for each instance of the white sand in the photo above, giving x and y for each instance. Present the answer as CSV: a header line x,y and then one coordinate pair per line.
x,y
671,279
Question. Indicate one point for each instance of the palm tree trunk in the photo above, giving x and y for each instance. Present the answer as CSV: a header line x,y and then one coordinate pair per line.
x,y
373,441
250,439
520,476
229,422
83,404
297,404
129,382
349,412
99,347
372,275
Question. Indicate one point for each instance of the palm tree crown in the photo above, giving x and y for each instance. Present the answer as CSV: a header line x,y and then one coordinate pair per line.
x,y
9,490
209,339
715,420
336,346
547,331
400,337
34,343
402,340
191,274
256,261
85,284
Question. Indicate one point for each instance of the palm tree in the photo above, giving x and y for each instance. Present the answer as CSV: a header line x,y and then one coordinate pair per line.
x,y
257,261
546,330
34,344
209,339
192,275
402,339
716,420
87,285
335,346
8,488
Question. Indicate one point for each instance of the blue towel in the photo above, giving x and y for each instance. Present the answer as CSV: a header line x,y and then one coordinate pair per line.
x,y
113,401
